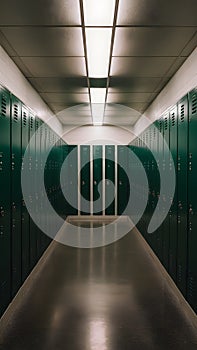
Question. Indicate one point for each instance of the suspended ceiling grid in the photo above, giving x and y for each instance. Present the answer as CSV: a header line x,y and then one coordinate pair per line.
x,y
46,39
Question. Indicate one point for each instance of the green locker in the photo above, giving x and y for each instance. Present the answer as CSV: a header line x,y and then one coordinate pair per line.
x,y
155,178
109,175
166,199
5,201
182,194
37,203
32,164
85,179
16,193
173,209
43,166
159,231
71,179
25,214
192,195
97,178
123,190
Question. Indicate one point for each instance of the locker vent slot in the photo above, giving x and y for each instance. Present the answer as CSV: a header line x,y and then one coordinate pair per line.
x,y
182,116
160,126
173,119
166,123
31,123
37,125
15,112
3,106
194,103
24,118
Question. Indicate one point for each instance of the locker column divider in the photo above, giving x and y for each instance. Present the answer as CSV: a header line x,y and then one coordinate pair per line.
x,y
116,180
91,180
104,164
79,179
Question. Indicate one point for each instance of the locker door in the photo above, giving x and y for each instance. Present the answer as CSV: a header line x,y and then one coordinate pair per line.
x,y
16,193
155,178
37,205
85,178
182,194
173,210
43,141
97,178
5,202
159,231
123,181
32,163
25,214
192,195
109,175
73,176
166,167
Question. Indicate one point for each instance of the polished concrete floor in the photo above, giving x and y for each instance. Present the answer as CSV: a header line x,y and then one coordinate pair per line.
x,y
110,298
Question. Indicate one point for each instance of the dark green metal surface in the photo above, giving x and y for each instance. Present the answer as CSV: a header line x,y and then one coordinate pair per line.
x,y
192,201
166,199
97,178
182,194
32,166
123,188
25,215
173,210
85,178
109,175
16,193
5,201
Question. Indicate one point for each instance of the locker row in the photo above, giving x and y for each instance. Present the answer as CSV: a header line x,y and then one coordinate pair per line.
x,y
175,241
21,241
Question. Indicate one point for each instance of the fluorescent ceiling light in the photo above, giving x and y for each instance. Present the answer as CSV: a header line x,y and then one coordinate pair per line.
x,y
99,12
98,51
98,104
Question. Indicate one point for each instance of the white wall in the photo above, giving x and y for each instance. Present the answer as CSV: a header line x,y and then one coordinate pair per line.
x,y
110,135
13,79
181,83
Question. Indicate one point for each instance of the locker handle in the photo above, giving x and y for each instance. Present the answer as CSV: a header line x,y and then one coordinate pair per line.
x,y
2,213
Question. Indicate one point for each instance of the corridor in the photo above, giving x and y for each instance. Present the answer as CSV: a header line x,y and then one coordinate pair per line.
x,y
110,298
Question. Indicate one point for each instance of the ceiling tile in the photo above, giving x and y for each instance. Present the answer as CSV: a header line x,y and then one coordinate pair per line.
x,y
63,107
21,66
76,115
128,97
37,41
126,101
113,120
55,66
151,41
157,12
78,85
40,12
66,98
175,66
141,66
5,44
132,84
75,121
190,46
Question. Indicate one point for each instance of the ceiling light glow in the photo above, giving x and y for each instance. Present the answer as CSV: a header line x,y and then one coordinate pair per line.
x,y
98,51
98,104
99,12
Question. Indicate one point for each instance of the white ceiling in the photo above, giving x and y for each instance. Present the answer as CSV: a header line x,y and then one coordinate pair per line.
x,y
151,40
